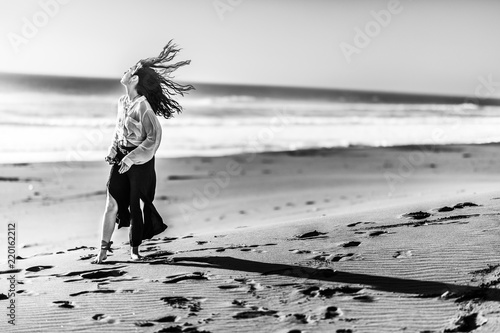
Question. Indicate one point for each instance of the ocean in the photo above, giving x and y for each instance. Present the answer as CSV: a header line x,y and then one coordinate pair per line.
x,y
46,118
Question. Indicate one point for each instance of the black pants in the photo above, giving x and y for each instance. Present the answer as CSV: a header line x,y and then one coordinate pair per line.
x,y
128,189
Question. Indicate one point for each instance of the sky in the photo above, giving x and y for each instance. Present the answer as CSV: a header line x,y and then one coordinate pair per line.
x,y
426,46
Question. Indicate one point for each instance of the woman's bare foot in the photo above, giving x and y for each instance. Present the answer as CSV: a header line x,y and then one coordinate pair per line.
x,y
134,253
105,246
100,257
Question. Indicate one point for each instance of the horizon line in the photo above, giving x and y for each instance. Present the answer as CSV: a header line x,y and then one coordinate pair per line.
x,y
322,88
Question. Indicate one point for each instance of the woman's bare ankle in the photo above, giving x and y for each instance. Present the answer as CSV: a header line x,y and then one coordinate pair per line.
x,y
134,252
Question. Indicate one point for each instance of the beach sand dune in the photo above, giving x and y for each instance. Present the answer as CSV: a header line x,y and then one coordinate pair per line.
x,y
309,241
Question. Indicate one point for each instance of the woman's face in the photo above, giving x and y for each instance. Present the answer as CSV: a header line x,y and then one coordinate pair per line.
x,y
128,75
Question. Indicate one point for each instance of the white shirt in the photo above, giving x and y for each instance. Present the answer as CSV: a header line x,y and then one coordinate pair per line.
x,y
136,124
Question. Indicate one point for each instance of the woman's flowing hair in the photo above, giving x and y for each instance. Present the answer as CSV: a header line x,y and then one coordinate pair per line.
x,y
155,81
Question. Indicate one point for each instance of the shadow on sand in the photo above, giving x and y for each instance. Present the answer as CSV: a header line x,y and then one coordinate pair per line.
x,y
419,288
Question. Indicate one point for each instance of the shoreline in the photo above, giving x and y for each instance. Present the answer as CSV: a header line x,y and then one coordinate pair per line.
x,y
10,159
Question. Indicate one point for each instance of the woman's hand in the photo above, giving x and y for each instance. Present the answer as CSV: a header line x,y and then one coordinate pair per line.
x,y
110,160
123,167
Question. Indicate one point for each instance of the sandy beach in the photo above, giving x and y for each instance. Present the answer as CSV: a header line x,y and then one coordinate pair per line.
x,y
399,239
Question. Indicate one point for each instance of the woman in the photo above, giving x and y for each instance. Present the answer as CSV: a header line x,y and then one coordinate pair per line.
x,y
137,136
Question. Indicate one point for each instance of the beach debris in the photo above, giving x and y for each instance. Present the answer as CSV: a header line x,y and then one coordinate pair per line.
x,y
310,234
417,215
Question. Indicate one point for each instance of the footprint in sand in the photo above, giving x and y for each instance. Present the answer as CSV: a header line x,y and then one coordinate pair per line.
x,y
81,247
103,274
297,251
300,318
340,257
317,291
180,329
468,322
310,234
332,312
101,317
65,304
192,304
168,239
143,323
254,314
402,254
377,233
356,223
189,276
88,256
229,286
159,254
11,271
38,268
364,298
239,303
417,215
457,206
167,319
445,209
351,244
97,291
